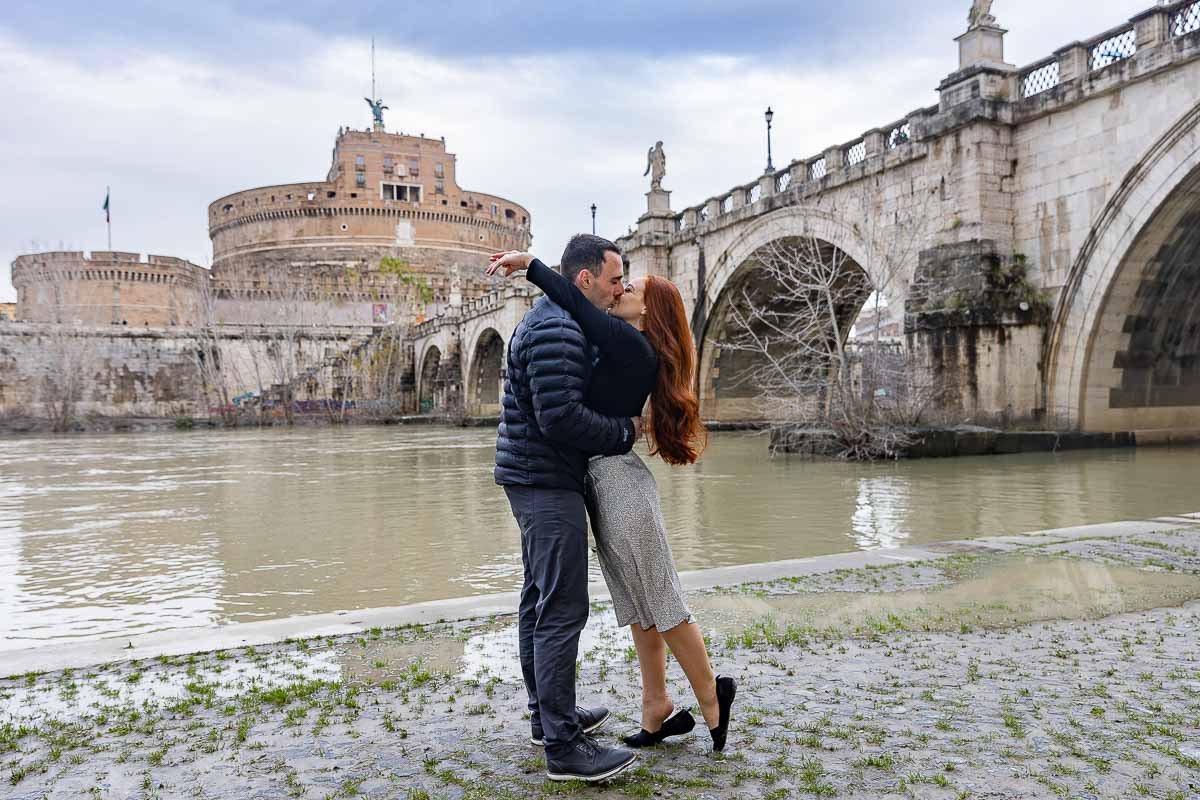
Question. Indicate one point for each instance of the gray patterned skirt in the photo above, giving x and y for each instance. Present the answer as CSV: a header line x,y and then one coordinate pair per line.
x,y
631,541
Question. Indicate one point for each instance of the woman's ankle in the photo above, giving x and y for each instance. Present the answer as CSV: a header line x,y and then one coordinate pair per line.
x,y
709,706
655,712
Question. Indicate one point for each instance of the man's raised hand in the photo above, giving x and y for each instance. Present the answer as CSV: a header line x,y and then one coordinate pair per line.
x,y
510,262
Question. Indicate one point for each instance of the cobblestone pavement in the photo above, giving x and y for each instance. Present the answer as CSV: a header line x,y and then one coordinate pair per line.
x,y
1053,668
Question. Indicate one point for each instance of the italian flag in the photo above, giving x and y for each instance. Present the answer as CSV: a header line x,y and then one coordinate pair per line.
x,y
107,215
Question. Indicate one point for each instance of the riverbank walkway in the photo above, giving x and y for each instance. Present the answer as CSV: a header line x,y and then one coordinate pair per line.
x,y
1057,664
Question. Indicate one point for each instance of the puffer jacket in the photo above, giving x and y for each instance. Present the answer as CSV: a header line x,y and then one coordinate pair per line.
x,y
546,433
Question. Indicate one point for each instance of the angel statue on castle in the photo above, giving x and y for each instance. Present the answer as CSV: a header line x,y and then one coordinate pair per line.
x,y
377,108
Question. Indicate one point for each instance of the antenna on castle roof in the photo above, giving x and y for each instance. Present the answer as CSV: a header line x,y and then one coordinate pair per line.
x,y
376,104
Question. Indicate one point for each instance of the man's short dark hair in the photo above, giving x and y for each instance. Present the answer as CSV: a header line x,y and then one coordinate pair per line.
x,y
585,251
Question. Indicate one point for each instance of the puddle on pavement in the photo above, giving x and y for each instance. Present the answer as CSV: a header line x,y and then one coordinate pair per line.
x,y
492,652
997,594
382,659
149,683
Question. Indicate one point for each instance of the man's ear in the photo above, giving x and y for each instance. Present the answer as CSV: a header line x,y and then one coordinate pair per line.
x,y
584,279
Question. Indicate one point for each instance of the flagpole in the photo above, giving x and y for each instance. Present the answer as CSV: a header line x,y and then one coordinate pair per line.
x,y
108,214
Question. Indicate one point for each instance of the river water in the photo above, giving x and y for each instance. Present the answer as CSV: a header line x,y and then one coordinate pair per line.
x,y
111,535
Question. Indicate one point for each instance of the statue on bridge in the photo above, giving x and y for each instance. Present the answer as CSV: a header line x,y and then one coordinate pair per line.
x,y
981,15
377,108
656,166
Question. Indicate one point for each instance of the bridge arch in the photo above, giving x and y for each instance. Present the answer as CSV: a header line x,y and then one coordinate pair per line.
x,y
724,393
428,382
485,373
1123,351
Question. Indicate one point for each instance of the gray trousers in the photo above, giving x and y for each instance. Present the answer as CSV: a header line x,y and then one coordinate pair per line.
x,y
554,605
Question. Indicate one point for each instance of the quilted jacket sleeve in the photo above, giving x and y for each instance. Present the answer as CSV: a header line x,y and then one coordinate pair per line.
x,y
557,364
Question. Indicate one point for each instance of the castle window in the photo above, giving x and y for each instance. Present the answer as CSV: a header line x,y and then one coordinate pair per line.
x,y
495,209
360,179
400,191
311,195
227,207
360,162
414,167
387,164
439,187
509,214
439,171
331,194
462,203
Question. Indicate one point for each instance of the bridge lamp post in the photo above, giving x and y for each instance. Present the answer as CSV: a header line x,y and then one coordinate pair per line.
x,y
770,115
593,219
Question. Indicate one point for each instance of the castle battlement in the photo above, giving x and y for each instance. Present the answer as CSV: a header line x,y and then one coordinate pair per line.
x,y
108,287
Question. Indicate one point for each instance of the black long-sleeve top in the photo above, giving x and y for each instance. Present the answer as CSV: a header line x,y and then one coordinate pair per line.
x,y
624,376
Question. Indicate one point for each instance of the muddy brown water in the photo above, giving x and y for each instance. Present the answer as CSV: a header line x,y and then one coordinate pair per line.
x,y
110,535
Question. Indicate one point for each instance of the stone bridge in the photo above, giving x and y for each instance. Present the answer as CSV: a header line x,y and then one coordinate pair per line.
x,y
1039,227
459,356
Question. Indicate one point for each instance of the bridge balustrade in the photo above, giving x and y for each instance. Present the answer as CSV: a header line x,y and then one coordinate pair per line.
x,y
856,153
1112,49
1166,21
898,135
1186,20
1040,78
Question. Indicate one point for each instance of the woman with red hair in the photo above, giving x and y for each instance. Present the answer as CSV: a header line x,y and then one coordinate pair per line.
x,y
645,351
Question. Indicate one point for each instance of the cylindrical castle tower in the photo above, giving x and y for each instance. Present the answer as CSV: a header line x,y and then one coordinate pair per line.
x,y
103,287
386,195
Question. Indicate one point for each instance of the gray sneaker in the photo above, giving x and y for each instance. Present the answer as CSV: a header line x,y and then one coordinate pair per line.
x,y
589,761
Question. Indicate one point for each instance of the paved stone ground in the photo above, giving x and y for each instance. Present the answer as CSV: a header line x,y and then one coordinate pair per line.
x,y
1051,668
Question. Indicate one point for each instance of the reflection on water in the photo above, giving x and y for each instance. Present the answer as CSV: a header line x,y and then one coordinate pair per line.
x,y
119,534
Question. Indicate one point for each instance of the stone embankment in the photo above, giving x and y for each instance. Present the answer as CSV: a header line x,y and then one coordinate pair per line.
x,y
1059,664
978,441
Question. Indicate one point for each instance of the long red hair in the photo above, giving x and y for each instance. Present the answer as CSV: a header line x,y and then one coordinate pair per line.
x,y
675,430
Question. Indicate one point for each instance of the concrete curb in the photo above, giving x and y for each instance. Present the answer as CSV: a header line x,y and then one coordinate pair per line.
x,y
184,641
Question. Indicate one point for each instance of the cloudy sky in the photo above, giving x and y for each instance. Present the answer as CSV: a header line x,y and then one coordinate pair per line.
x,y
552,104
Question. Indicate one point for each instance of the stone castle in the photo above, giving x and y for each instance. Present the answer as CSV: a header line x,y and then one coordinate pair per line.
x,y
386,238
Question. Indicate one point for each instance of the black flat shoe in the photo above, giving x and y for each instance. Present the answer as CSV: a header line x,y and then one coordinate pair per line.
x,y
726,690
677,725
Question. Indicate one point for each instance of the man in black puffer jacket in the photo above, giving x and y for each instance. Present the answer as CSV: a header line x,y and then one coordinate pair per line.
x,y
545,439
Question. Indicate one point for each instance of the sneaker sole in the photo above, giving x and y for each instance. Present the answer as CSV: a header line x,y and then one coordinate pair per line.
x,y
595,726
563,776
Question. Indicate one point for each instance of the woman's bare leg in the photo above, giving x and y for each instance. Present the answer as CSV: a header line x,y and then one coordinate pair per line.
x,y
652,655
687,645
